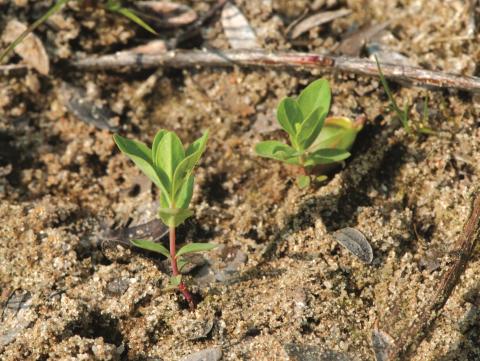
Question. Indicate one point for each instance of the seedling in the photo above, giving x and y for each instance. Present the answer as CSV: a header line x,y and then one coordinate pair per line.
x,y
314,139
110,5
402,115
170,167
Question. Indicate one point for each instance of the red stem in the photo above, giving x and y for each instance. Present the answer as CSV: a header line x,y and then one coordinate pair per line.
x,y
181,287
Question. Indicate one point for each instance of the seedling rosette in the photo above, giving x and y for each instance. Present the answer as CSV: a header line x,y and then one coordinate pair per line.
x,y
170,167
315,140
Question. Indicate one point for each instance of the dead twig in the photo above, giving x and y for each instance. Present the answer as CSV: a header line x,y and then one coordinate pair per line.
x,y
406,344
13,69
227,58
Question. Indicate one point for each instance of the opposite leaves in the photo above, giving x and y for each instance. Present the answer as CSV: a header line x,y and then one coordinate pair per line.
x,y
314,138
169,166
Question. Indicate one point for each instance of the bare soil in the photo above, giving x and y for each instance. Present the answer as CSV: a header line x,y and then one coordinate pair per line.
x,y
291,292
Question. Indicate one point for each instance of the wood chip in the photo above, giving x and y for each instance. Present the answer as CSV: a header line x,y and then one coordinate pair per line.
x,y
31,49
355,242
316,20
237,29
166,14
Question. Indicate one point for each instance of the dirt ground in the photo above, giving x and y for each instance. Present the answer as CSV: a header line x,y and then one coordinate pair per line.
x,y
279,287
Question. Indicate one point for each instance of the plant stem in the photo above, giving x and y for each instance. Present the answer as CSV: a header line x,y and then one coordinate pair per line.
x,y
181,287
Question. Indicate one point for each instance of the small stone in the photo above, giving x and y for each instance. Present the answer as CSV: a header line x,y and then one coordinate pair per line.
x,y
209,354
117,286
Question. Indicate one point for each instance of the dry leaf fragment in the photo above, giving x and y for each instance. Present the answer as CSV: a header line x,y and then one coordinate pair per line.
x,y
88,110
353,43
355,242
316,20
31,49
151,48
166,14
237,29
386,55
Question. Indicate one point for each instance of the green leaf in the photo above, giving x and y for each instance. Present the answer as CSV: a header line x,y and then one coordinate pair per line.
x,y
326,156
337,132
156,141
181,262
303,181
116,6
311,128
275,150
151,246
165,202
289,115
197,147
196,247
169,154
321,178
174,282
184,195
140,154
173,217
317,94
192,156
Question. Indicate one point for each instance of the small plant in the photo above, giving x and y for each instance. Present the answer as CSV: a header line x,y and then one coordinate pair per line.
x,y
402,115
170,167
110,5
314,139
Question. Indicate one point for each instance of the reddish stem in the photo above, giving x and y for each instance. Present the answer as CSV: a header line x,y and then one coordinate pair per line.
x,y
181,287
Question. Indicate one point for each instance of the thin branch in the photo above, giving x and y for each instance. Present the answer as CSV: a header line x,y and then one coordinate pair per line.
x,y
406,344
12,69
261,58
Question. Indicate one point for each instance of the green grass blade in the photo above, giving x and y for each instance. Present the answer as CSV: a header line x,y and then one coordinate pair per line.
x,y
401,114
115,6
55,8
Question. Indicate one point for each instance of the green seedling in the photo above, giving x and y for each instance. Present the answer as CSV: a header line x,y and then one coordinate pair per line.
x,y
315,140
170,167
403,114
110,5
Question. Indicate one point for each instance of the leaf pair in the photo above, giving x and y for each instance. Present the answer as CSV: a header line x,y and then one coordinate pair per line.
x,y
314,138
170,167
303,118
174,281
160,248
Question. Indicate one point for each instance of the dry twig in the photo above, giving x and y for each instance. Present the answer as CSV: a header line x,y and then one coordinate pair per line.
x,y
261,58
464,248
13,69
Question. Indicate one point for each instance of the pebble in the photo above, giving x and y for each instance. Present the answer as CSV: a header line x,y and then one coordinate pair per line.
x,y
209,354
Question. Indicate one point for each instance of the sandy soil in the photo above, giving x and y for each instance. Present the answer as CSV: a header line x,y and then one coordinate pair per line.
x,y
279,287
